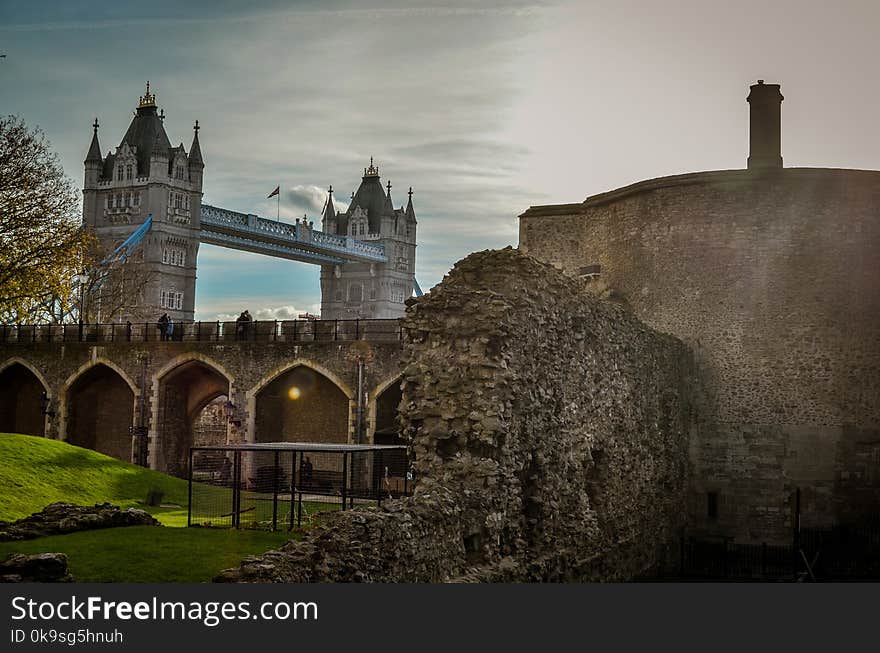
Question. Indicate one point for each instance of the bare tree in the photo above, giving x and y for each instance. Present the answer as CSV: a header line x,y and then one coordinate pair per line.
x,y
42,245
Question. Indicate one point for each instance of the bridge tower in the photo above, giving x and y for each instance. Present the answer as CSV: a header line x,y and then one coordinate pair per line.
x,y
148,176
370,290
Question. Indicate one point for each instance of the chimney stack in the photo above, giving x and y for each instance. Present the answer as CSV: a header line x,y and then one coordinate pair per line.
x,y
765,103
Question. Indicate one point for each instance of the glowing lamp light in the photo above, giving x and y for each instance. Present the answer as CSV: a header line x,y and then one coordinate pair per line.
x,y
294,393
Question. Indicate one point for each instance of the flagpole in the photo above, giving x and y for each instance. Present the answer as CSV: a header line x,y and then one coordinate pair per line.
x,y
278,212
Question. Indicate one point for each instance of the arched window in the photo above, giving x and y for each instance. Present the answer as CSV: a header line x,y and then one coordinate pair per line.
x,y
128,172
355,293
119,173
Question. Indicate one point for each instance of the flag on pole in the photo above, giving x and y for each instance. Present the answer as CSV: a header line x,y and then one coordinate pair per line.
x,y
274,192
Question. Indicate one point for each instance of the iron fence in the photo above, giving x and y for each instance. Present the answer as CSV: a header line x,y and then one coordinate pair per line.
x,y
254,331
269,486
841,552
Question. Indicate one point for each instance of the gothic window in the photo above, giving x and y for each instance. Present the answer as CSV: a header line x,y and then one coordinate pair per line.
x,y
128,199
178,172
137,198
373,293
119,173
355,293
128,172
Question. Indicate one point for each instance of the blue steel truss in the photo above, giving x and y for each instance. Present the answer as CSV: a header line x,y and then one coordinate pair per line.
x,y
297,242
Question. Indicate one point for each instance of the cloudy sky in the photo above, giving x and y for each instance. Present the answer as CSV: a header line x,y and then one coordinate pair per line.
x,y
483,108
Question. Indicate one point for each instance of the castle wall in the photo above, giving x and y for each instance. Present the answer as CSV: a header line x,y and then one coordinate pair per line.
x,y
549,433
772,280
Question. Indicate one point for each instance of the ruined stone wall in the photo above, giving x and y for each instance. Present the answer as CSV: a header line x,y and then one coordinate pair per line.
x,y
772,279
549,432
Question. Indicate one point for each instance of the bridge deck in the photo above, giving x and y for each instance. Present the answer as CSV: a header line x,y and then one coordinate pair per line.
x,y
297,242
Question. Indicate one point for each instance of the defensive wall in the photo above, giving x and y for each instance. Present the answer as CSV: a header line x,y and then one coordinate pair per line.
x,y
102,383
770,276
549,432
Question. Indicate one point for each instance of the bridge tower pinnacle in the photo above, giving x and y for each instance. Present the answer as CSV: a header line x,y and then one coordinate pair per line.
x,y
370,290
146,176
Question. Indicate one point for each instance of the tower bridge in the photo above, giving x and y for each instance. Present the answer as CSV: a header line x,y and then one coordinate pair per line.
x,y
153,189
123,390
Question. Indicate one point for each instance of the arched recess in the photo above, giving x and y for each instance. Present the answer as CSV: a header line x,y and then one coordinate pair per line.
x,y
183,390
99,410
301,403
24,397
383,410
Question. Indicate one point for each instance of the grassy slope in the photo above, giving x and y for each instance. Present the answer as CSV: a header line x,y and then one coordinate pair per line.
x,y
35,472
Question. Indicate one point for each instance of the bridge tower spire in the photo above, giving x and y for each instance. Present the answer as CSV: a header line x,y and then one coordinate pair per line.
x,y
146,176
371,290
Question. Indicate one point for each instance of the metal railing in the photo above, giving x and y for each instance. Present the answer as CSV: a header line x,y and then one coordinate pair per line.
x,y
388,330
285,484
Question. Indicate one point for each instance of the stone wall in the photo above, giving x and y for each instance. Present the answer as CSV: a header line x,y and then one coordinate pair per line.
x,y
549,432
772,280
193,373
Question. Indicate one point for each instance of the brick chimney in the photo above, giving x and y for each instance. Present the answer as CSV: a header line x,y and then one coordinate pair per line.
x,y
765,103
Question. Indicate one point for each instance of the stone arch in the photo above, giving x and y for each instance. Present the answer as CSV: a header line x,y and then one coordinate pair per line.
x,y
22,392
180,391
321,410
98,408
382,405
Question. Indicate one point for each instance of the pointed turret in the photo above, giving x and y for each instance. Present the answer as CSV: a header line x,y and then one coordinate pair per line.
x,y
93,163
329,217
94,149
195,151
410,211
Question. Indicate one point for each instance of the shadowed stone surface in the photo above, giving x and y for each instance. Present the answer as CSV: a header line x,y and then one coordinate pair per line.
x,y
36,568
549,431
61,518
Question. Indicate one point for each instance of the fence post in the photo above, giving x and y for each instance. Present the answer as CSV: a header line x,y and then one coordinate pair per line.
x,y
18,333
189,505
146,332
294,337
796,535
336,329
344,476
357,329
299,508
275,472
275,331
199,331
236,490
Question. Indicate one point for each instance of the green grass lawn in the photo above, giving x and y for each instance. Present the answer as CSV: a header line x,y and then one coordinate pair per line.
x,y
35,472
148,554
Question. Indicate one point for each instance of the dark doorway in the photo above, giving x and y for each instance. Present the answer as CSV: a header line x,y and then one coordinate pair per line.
x,y
21,401
100,406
